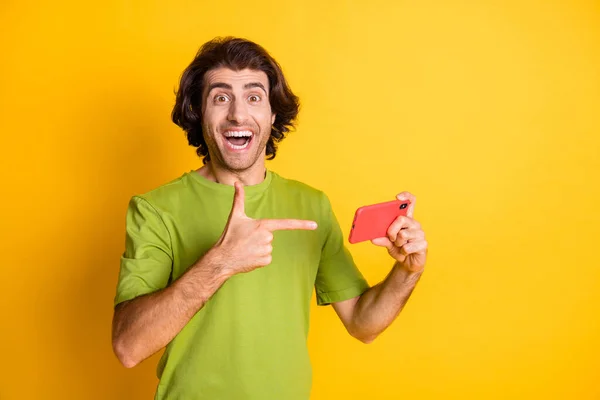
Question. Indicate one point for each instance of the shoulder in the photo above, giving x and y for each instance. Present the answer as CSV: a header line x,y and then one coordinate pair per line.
x,y
166,195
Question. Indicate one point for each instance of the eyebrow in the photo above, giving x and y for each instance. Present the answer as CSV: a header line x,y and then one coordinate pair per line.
x,y
223,85
255,85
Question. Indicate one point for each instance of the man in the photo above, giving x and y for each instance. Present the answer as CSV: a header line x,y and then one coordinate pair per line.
x,y
227,287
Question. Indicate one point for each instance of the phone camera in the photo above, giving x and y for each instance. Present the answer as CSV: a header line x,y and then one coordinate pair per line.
x,y
403,206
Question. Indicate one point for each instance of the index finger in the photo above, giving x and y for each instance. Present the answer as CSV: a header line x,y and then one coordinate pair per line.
x,y
288,224
408,196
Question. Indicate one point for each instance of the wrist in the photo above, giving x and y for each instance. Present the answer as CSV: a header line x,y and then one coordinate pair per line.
x,y
200,282
215,263
407,273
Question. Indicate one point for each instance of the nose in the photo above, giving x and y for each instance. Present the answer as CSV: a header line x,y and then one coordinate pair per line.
x,y
238,112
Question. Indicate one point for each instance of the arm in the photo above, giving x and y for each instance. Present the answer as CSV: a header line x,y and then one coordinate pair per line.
x,y
144,325
369,314
147,323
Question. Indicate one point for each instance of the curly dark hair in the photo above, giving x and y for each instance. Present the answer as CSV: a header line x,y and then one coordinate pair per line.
x,y
236,54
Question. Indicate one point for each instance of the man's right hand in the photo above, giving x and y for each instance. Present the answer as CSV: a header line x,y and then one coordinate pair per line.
x,y
246,243
244,246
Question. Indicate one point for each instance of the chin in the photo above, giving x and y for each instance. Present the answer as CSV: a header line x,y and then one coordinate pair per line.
x,y
239,162
239,165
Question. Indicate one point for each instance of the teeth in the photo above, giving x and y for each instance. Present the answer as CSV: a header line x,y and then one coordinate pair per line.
x,y
233,146
238,134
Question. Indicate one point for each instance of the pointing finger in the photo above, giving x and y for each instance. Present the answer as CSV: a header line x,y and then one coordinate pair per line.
x,y
288,224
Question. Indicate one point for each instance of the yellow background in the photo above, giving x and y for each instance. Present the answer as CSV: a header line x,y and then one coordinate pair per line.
x,y
487,111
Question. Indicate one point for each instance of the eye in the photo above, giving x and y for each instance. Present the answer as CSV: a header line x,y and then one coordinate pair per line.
x,y
221,98
254,98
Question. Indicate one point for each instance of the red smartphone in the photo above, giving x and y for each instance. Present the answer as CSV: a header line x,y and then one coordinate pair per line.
x,y
371,222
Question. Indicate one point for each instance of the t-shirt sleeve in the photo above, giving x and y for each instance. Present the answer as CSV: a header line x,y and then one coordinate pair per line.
x,y
147,262
338,278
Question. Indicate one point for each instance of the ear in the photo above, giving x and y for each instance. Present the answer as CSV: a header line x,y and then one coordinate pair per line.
x,y
273,118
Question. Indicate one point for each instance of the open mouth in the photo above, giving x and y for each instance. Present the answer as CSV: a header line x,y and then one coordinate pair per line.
x,y
238,140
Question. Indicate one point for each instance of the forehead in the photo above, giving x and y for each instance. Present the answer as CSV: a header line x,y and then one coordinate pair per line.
x,y
237,79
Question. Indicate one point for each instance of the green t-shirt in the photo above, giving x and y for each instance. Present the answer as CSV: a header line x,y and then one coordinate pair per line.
x,y
249,339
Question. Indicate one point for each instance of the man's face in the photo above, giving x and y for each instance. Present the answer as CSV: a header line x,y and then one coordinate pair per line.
x,y
237,117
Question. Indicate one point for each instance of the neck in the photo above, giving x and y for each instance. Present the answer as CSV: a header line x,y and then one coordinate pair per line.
x,y
251,176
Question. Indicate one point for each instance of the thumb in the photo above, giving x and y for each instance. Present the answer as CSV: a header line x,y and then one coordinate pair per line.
x,y
383,242
237,209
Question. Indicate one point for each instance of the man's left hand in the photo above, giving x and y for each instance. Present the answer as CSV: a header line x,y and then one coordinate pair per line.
x,y
405,239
